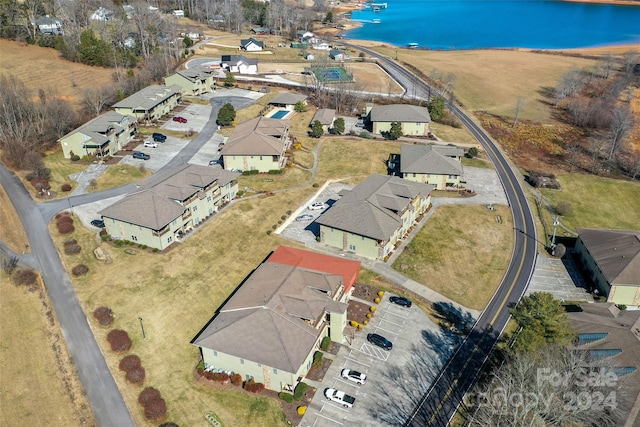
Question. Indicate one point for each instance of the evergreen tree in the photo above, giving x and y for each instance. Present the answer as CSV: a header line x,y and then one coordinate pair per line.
x,y
300,107
226,115
543,320
316,129
436,108
94,51
395,132
338,125
229,80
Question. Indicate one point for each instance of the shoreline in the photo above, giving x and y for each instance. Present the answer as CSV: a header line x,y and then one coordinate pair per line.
x,y
592,50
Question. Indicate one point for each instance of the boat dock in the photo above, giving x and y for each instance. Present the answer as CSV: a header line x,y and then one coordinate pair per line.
x,y
378,6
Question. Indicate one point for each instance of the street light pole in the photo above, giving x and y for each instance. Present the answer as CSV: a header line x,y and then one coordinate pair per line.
x,y
142,327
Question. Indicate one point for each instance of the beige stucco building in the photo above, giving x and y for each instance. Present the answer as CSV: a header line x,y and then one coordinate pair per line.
x,y
271,326
159,215
413,119
102,136
257,144
611,261
195,81
150,103
438,165
372,219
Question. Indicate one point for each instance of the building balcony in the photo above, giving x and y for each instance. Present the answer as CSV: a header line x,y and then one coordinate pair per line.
x,y
161,232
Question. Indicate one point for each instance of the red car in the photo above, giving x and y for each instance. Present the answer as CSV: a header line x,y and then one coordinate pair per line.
x,y
179,119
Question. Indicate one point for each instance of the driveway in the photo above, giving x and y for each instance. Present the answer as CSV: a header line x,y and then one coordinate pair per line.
x,y
559,277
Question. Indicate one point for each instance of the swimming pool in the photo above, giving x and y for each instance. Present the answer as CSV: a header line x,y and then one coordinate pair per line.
x,y
279,114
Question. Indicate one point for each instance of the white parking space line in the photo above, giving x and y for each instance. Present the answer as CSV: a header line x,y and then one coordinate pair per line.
x,y
374,352
386,330
327,418
393,323
404,315
330,404
357,361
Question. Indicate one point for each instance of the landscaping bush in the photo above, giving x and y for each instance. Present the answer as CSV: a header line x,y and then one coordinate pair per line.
x,y
377,300
315,185
79,270
135,375
129,362
240,193
119,340
298,392
72,249
324,345
372,309
104,315
380,293
147,395
64,219
302,410
287,397
275,172
65,187
75,158
236,379
317,359
156,410
168,425
564,208
251,172
473,152
254,387
24,277
65,228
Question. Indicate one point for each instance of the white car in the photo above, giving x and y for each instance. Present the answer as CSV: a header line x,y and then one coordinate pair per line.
x,y
151,144
339,397
353,376
316,206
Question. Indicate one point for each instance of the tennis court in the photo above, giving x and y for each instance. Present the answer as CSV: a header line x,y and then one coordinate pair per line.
x,y
332,74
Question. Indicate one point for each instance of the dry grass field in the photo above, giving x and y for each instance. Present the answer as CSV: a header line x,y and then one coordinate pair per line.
x,y
38,381
462,252
43,68
11,231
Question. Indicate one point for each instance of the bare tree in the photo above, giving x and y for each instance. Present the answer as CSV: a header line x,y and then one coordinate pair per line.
x,y
621,123
572,154
548,387
570,84
605,66
95,100
596,145
630,59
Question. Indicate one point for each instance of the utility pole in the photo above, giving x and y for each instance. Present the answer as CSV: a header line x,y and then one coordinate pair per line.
x,y
556,222
142,327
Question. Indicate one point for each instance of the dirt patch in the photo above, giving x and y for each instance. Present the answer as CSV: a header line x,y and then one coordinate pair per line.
x,y
291,409
357,311
365,292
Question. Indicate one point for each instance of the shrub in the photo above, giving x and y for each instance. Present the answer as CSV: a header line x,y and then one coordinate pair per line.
x,y
72,249
236,379
353,323
564,208
75,158
65,228
254,387
473,152
62,219
155,250
377,300
372,309
299,390
24,277
156,410
369,315
135,375
119,340
315,185
275,172
104,237
240,193
104,316
365,322
324,345
129,362
450,120
269,232
147,395
360,327
65,187
287,397
79,270
317,359
380,293
365,135
302,410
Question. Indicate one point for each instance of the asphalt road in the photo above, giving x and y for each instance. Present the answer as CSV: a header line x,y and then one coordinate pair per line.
x,y
102,392
438,406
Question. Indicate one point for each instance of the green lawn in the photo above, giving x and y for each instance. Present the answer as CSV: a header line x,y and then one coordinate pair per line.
x,y
462,252
61,168
597,202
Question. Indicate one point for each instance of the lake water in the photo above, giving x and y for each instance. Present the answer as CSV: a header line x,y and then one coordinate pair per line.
x,y
537,24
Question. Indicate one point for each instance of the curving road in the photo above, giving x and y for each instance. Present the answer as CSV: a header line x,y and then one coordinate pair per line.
x,y
438,406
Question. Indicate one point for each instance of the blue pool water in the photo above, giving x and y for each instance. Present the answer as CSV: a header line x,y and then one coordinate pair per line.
x,y
279,114
468,24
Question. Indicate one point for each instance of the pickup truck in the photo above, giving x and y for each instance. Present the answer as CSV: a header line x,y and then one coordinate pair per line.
x,y
339,397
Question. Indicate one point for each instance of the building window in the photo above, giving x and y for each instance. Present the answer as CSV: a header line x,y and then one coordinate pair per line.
x,y
215,353
208,198
352,247
242,361
195,208
275,371
134,238
452,177
260,157
414,175
274,158
169,239
259,365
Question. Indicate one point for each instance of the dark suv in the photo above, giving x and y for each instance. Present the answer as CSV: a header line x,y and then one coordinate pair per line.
x,y
380,341
159,137
141,155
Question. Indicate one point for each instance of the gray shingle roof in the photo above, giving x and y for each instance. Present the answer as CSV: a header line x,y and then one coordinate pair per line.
x,y
400,113
245,42
156,206
269,312
324,115
428,159
196,74
617,253
288,98
258,136
97,128
148,97
372,208
237,59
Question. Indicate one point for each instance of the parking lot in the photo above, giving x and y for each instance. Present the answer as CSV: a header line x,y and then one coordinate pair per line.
x,y
406,328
